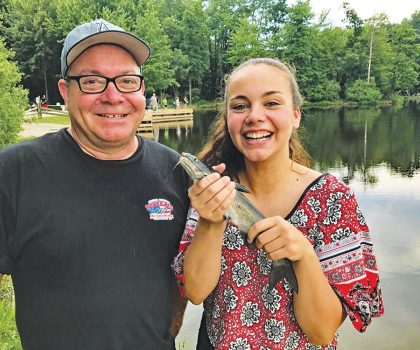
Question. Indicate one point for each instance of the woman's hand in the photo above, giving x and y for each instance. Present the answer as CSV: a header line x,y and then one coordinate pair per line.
x,y
280,239
212,196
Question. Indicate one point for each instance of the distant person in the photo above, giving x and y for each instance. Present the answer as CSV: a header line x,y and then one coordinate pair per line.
x,y
91,215
165,102
177,103
312,219
154,102
185,102
44,103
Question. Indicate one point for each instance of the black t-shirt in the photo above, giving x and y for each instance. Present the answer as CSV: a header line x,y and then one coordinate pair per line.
x,y
89,244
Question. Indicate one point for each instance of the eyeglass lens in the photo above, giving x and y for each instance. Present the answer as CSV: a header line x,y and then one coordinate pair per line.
x,y
124,83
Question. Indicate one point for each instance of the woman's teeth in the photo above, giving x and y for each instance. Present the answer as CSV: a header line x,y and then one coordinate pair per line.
x,y
258,135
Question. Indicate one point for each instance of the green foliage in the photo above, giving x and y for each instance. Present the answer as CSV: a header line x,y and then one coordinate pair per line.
x,y
327,90
13,98
245,43
31,28
9,338
364,92
196,43
159,72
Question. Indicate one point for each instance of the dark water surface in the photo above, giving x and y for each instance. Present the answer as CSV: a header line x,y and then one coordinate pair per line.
x,y
376,152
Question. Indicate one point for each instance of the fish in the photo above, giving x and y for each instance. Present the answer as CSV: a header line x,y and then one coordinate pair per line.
x,y
243,214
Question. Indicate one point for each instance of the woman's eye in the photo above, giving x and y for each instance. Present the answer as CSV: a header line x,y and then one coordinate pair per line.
x,y
239,107
272,104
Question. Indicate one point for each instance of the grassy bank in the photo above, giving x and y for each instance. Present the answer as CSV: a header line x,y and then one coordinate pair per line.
x,y
9,338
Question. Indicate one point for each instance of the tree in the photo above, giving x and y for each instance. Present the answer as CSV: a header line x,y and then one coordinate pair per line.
x,y
33,37
159,73
405,57
195,43
13,98
223,19
295,43
245,43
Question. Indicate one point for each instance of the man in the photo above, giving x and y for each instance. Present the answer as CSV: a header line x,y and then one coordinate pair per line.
x,y
91,216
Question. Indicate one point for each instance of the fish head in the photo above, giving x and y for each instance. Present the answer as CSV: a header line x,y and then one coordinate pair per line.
x,y
193,166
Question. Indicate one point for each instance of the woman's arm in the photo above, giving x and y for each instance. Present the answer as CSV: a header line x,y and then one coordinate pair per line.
x,y
317,308
211,197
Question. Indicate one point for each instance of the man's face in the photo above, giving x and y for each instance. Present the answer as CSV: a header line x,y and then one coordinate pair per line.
x,y
107,120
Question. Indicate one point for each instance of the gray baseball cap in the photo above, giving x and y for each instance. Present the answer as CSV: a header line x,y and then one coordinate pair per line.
x,y
97,32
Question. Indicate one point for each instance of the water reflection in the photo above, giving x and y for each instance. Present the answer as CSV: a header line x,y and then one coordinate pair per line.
x,y
356,139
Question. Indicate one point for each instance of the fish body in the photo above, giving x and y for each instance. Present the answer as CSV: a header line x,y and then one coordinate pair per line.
x,y
244,214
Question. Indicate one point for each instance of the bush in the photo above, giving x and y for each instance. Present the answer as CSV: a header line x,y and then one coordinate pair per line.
x,y
327,90
9,338
13,99
363,92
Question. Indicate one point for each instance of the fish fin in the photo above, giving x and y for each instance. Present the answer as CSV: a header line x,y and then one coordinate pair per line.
x,y
283,268
241,188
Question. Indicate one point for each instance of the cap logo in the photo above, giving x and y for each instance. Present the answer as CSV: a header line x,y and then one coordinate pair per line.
x,y
102,27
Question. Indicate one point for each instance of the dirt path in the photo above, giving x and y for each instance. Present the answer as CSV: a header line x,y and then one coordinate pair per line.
x,y
39,129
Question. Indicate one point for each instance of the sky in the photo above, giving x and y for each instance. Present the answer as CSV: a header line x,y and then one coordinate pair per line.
x,y
396,10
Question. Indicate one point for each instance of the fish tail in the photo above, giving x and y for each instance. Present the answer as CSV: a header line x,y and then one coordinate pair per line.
x,y
283,268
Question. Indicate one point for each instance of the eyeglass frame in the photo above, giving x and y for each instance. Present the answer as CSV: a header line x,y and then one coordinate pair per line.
x,y
108,80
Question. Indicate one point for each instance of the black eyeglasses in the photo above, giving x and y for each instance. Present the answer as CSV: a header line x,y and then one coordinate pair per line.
x,y
95,84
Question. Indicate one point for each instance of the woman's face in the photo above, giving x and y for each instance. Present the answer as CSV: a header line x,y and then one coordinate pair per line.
x,y
260,113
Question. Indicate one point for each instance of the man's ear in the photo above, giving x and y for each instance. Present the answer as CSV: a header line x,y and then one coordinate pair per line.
x,y
64,90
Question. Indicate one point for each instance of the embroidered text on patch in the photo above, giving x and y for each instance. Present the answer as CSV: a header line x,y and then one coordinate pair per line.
x,y
160,209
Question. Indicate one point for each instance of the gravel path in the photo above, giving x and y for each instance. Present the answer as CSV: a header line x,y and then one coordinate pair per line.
x,y
39,129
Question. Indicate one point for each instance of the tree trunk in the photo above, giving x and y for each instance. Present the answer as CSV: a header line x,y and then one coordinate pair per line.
x,y
45,79
189,88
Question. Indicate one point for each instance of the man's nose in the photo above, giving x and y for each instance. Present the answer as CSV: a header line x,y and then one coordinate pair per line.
x,y
111,93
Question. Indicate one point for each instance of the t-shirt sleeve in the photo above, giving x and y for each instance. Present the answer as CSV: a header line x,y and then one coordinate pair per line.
x,y
187,236
345,250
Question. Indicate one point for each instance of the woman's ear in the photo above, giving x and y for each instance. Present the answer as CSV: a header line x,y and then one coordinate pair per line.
x,y
297,117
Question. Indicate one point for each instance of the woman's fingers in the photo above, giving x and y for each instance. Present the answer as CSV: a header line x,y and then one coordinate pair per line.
x,y
212,196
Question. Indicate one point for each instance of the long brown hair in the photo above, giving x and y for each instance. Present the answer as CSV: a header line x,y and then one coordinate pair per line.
x,y
219,146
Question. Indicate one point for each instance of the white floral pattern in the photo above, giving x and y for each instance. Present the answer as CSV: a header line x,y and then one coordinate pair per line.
x,y
299,218
250,314
274,329
263,262
240,344
241,273
230,298
271,298
233,239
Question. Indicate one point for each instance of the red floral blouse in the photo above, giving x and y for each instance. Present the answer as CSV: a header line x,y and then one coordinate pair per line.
x,y
242,313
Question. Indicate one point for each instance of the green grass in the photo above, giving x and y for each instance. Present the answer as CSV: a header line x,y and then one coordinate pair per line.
x,y
63,120
9,338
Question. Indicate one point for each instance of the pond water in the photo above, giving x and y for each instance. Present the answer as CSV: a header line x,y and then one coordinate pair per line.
x,y
376,152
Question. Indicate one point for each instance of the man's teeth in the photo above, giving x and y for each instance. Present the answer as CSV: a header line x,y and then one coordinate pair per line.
x,y
257,135
112,115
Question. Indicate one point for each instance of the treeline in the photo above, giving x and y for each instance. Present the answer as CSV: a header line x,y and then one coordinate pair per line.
x,y
195,43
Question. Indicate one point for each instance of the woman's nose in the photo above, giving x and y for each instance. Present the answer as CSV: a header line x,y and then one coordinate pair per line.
x,y
256,113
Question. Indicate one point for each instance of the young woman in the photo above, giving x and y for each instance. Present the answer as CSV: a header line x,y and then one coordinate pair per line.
x,y
311,219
